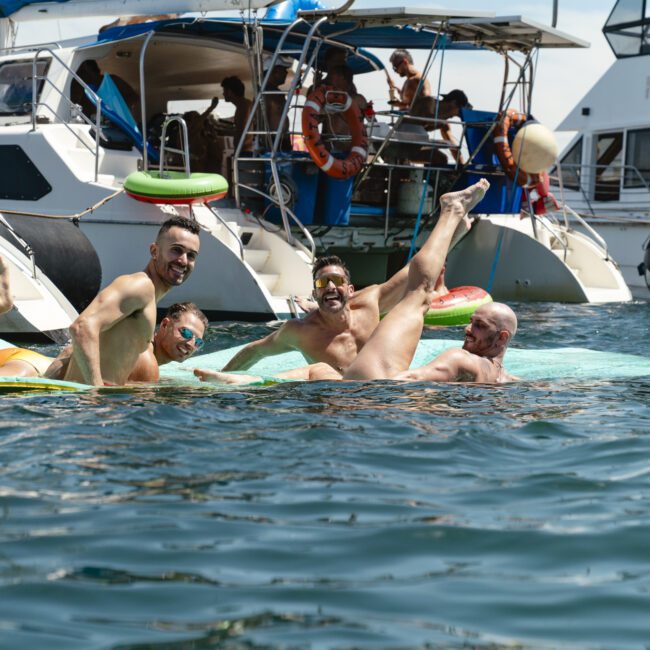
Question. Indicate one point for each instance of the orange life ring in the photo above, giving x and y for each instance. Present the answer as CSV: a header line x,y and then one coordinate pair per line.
x,y
505,121
316,102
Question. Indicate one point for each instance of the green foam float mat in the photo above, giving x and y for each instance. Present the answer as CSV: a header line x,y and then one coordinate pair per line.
x,y
528,364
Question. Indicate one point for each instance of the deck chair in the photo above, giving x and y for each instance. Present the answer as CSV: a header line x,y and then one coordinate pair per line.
x,y
114,109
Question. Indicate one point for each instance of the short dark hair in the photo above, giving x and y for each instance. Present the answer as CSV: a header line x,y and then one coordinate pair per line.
x,y
330,260
401,55
458,97
179,308
179,222
235,85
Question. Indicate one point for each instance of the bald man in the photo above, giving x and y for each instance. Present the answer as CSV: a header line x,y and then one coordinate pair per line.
x,y
390,350
481,359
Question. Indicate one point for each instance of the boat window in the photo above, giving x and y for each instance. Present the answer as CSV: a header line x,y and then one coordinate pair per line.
x,y
16,86
626,29
570,164
609,166
637,158
20,179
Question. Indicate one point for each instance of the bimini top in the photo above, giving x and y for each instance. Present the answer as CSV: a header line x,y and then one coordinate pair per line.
x,y
374,28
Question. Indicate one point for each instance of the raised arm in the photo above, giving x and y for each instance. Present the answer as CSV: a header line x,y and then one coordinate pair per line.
x,y
282,340
123,297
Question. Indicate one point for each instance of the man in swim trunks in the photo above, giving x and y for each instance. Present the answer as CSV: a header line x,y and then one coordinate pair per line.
x,y
118,325
338,327
389,351
178,337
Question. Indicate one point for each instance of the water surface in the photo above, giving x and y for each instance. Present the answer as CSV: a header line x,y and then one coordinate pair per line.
x,y
328,516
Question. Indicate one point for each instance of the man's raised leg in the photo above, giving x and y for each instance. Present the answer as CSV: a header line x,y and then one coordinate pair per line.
x,y
392,345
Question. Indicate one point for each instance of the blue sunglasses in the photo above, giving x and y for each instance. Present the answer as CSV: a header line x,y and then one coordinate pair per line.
x,y
188,335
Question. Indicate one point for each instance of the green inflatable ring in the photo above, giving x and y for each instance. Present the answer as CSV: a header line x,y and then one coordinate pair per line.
x,y
175,187
457,306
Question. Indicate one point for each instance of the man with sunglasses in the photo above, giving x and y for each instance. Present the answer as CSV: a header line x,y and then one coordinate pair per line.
x,y
402,63
118,326
177,339
340,325
388,353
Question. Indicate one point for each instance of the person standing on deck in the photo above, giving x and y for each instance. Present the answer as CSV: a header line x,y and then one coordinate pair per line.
x,y
402,63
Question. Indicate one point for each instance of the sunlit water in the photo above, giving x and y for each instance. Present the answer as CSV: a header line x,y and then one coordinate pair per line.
x,y
336,516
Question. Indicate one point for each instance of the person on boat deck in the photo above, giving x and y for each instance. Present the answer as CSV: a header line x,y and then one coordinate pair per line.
x,y
89,72
206,152
445,108
389,351
234,92
402,63
342,323
335,124
118,325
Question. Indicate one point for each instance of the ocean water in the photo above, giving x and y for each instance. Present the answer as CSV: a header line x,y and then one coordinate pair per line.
x,y
336,516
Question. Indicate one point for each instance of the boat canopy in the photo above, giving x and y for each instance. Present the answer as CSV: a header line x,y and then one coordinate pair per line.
x,y
23,10
361,29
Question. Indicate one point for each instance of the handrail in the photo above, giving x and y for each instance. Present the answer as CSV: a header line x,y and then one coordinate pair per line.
x,y
97,100
601,241
225,224
185,146
623,167
305,231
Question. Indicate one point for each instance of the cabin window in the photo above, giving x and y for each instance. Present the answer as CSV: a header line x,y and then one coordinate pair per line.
x,y
16,86
570,165
609,166
637,158
20,179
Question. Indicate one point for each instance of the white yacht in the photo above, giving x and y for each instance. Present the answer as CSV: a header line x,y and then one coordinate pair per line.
x,y
605,169
67,168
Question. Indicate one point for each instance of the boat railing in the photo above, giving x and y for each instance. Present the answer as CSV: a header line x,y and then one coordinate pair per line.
x,y
585,177
184,150
228,227
75,110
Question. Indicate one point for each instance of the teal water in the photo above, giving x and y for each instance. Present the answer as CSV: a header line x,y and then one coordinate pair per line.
x,y
334,516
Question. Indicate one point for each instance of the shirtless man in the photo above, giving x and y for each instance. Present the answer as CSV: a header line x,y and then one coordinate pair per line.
x,y
177,339
118,325
337,328
389,351
341,77
402,63
234,92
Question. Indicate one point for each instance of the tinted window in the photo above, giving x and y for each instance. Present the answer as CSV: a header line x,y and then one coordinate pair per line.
x,y
637,158
16,86
570,166
20,179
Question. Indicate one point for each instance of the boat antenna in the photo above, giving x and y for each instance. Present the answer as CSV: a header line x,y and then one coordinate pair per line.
x,y
554,21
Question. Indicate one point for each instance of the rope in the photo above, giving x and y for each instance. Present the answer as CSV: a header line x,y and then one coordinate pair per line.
x,y
64,216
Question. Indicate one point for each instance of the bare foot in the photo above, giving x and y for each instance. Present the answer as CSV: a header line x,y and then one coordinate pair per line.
x,y
305,304
466,199
214,377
